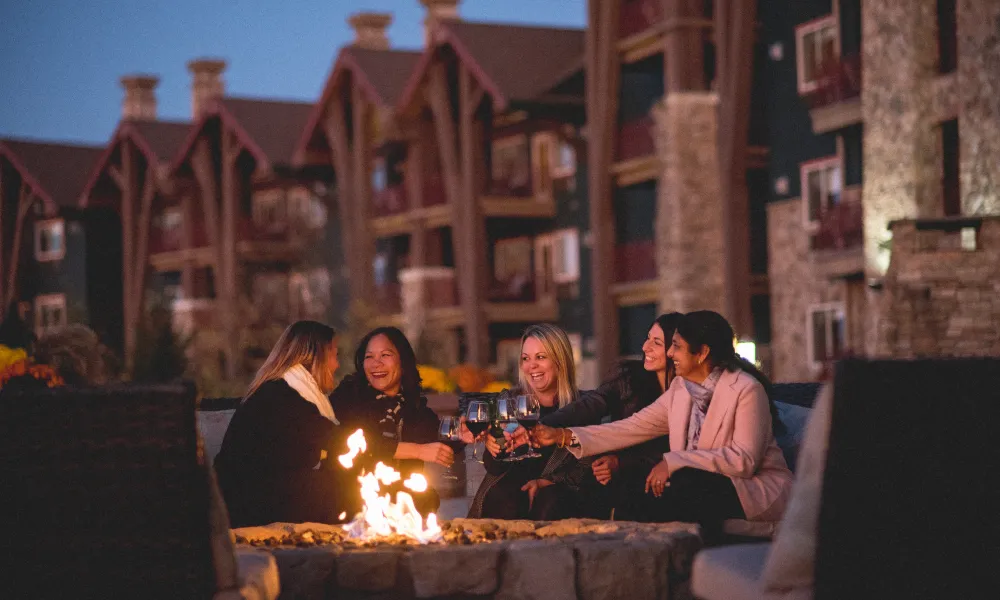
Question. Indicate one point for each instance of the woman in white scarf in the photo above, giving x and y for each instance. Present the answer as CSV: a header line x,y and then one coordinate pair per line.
x,y
272,465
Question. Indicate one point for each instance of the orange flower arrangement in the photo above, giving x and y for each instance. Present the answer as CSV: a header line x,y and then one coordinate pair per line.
x,y
20,368
470,378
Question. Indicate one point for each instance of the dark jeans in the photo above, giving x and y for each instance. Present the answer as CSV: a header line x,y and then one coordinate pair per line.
x,y
693,496
505,500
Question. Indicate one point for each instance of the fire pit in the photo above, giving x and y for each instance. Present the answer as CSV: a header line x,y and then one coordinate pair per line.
x,y
567,560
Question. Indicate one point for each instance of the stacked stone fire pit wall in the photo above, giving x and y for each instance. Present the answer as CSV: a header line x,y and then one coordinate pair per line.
x,y
523,560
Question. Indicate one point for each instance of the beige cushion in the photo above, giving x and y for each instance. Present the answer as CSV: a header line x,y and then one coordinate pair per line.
x,y
761,529
733,573
791,564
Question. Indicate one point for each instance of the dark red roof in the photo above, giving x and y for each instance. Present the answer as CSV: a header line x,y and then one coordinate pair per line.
x,y
514,62
59,170
386,70
164,138
273,126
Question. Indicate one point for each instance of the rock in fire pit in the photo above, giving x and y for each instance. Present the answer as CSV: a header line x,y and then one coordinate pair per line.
x,y
561,560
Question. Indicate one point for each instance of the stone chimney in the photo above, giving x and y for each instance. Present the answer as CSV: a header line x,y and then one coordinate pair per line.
x,y
437,11
369,30
139,103
206,83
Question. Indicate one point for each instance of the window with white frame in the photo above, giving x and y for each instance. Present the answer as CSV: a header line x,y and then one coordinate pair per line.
x,y
270,295
566,256
50,240
509,358
305,209
512,267
826,329
268,208
822,185
817,45
564,162
50,313
309,295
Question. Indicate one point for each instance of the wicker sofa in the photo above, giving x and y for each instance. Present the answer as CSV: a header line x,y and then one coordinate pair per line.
x,y
108,496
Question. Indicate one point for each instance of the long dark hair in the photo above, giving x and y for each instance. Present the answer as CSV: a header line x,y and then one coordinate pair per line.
x,y
708,328
410,381
645,385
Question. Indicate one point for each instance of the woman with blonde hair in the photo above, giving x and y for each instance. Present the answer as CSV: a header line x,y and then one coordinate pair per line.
x,y
557,485
272,465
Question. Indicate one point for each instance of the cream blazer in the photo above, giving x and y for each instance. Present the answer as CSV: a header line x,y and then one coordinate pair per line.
x,y
736,440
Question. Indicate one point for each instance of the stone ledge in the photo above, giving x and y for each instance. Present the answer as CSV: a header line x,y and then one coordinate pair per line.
x,y
575,558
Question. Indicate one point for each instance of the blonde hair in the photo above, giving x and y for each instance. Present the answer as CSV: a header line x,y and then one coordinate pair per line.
x,y
306,343
557,346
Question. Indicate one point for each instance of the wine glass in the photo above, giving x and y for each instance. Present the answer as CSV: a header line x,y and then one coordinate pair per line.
x,y
450,432
504,417
527,412
477,419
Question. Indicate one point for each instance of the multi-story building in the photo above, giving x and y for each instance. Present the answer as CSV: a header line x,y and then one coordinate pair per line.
x,y
677,158
881,236
53,265
464,179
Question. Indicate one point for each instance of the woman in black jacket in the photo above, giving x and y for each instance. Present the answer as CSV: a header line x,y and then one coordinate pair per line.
x,y
273,462
633,386
383,399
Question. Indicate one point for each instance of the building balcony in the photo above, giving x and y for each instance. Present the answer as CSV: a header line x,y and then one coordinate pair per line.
x,y
514,289
635,152
840,227
836,101
635,261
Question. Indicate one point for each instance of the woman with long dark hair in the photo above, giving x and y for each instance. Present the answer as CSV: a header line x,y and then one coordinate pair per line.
x,y
273,462
634,385
383,398
723,460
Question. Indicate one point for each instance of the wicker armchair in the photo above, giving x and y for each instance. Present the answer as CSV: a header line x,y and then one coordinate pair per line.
x,y
108,496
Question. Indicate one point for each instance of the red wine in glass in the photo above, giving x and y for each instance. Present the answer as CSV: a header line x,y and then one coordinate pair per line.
x,y
477,427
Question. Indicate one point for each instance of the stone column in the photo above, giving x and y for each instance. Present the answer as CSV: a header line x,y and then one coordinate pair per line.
x,y
979,101
902,146
689,231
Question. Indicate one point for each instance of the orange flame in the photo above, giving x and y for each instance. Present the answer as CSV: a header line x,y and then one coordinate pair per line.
x,y
380,516
356,444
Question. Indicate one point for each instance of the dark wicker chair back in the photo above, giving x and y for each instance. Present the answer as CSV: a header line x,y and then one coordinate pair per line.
x,y
105,493
909,490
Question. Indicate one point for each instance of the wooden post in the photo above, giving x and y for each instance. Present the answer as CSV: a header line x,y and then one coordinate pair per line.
x,y
149,188
737,65
24,200
3,245
602,107
130,183
684,53
414,182
471,234
187,242
229,299
336,127
361,112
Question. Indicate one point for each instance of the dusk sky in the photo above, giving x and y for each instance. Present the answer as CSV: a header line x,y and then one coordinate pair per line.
x,y
61,59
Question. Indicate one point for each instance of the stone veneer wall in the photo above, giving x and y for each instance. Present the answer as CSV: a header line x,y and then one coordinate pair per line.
x,y
978,87
940,300
902,145
689,231
797,284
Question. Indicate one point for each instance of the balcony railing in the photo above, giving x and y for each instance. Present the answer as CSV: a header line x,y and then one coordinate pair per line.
x,y
390,201
275,231
840,227
636,139
635,261
171,240
638,16
839,80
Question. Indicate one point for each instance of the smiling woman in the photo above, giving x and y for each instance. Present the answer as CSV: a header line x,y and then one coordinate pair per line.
x,y
383,399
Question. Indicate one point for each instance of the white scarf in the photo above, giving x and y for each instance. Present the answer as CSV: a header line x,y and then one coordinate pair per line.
x,y
302,381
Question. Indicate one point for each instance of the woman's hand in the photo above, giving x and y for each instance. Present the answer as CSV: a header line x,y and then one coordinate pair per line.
x,y
519,437
492,445
658,478
604,468
436,452
543,435
532,488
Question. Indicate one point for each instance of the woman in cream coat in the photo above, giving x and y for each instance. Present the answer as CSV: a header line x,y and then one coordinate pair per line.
x,y
723,461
